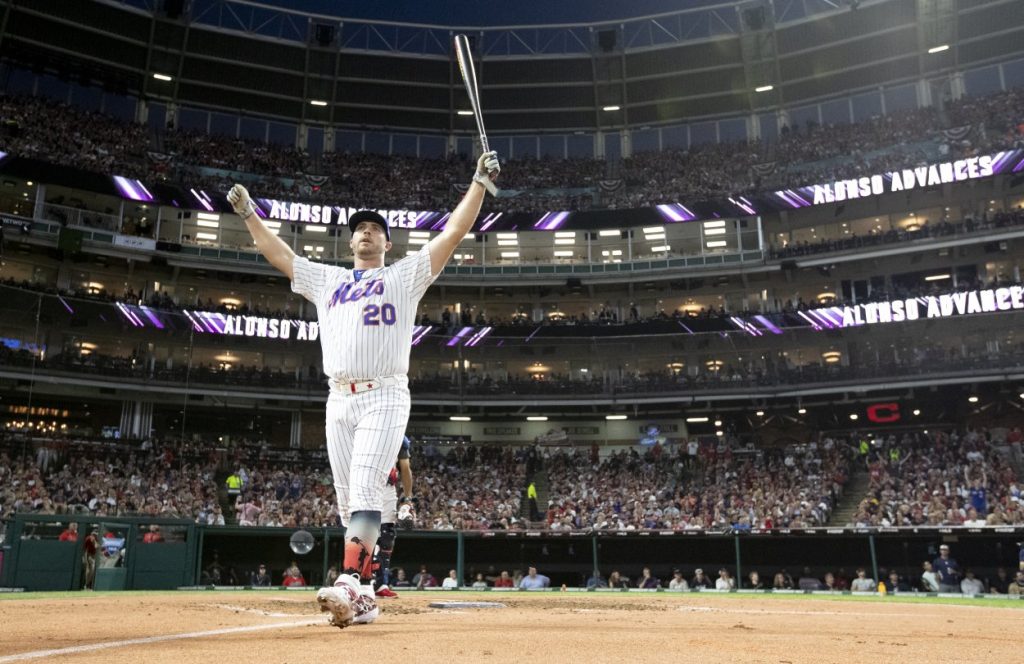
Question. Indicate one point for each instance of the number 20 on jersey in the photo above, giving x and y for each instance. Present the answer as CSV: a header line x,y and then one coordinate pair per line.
x,y
375,315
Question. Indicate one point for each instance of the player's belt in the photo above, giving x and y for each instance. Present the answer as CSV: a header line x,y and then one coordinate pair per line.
x,y
358,387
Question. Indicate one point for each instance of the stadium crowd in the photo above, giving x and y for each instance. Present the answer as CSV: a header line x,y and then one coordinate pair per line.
x,y
707,486
916,479
50,130
950,478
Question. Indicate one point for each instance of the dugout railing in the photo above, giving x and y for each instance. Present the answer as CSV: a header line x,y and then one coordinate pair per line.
x,y
33,557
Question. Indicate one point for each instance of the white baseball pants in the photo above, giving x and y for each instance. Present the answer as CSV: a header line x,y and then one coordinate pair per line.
x,y
364,434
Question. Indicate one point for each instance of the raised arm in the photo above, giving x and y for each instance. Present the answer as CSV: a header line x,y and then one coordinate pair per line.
x,y
273,248
442,246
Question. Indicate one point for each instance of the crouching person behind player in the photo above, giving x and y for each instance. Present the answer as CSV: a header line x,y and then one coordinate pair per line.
x,y
391,519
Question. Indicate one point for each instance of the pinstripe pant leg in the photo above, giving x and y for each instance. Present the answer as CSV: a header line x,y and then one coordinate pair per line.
x,y
380,425
340,428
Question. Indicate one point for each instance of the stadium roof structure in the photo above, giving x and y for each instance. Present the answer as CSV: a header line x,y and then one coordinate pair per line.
x,y
389,65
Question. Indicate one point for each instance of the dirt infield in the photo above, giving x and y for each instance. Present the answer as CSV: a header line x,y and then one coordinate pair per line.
x,y
184,627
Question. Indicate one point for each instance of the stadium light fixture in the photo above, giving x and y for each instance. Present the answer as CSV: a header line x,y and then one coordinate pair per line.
x,y
565,234
1021,395
418,241
936,277
801,411
719,433
853,416
507,243
972,399
317,102
661,248
425,234
614,417
460,418
316,229
611,108
653,230
939,49
162,77
718,423
609,232
464,112
696,420
764,88
759,413
720,223
537,418
510,254
205,223
207,236
508,236
565,240
563,253
917,412
715,231
714,244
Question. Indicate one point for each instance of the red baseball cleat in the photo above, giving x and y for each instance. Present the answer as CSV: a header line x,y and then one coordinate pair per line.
x,y
384,591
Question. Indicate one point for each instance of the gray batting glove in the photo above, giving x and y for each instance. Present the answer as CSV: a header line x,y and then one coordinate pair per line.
x,y
487,169
240,202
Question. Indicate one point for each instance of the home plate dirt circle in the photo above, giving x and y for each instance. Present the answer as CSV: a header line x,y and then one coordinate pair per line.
x,y
466,605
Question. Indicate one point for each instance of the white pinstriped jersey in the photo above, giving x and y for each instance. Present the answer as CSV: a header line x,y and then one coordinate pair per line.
x,y
365,323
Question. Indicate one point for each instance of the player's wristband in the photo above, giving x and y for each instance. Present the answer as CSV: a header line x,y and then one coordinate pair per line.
x,y
247,211
486,182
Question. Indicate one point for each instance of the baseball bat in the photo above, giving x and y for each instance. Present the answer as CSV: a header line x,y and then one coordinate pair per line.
x,y
465,58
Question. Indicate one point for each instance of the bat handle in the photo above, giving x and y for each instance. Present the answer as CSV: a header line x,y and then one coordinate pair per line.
x,y
483,143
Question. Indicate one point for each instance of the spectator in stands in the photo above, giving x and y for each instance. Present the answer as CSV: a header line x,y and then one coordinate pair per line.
x,y
503,580
863,583
616,580
678,582
1000,583
424,579
829,582
724,580
896,584
534,581
260,578
808,581
153,536
699,581
293,576
754,581
782,581
479,583
400,579
596,581
647,581
70,533
1016,589
929,579
971,585
947,570
451,582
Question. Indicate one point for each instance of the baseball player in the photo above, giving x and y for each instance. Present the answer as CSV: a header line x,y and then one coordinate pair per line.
x,y
366,317
390,517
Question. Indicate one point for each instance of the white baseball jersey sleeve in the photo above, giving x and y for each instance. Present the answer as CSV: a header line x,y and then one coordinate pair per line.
x,y
366,316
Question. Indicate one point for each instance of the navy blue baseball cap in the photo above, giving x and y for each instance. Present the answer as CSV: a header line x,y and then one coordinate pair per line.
x,y
369,215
